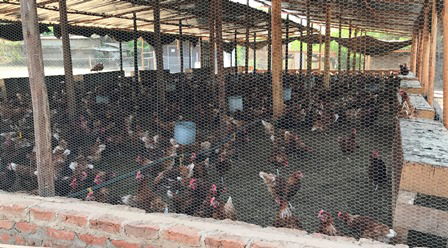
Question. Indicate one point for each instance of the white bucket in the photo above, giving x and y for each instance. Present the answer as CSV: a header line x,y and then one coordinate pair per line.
x,y
185,132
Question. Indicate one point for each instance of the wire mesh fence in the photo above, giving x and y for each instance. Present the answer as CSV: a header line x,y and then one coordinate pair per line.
x,y
213,145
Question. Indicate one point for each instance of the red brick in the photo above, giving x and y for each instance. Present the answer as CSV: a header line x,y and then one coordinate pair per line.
x,y
6,224
107,225
75,219
124,244
92,240
142,230
13,210
26,227
4,237
41,214
58,244
183,234
266,244
58,234
20,240
224,241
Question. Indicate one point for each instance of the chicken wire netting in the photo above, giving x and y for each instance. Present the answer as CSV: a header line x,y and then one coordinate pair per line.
x,y
329,163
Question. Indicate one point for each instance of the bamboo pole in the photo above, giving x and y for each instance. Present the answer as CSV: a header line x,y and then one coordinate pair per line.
x,y
445,65
432,54
287,45
39,97
255,52
121,56
327,47
220,55
425,69
277,87
348,48
301,49
319,65
355,47
159,56
269,42
339,45
181,47
67,56
135,54
211,23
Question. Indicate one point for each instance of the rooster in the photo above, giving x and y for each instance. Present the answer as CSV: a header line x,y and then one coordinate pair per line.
x,y
377,170
326,224
348,144
367,227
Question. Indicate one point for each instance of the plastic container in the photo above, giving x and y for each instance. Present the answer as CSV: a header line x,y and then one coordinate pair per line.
x,y
235,103
185,132
287,94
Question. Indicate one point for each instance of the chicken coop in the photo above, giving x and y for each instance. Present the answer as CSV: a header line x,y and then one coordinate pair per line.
x,y
198,112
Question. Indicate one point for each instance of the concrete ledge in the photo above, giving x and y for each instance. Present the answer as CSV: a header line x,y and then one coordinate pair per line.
x,y
422,107
411,86
30,220
410,76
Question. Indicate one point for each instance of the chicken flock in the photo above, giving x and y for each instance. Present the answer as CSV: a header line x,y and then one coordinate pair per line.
x,y
195,184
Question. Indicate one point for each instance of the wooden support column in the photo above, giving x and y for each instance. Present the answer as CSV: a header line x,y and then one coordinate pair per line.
x,y
301,49
355,47
319,56
339,45
159,55
236,52
220,58
415,60
327,47
269,42
39,97
211,27
255,52
67,56
361,51
348,48
419,55
135,54
425,69
445,65
247,43
365,51
432,54
277,53
412,59
287,45
309,46
121,56
181,48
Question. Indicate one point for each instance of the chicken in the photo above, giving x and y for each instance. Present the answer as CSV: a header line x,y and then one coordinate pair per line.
x,y
145,198
96,151
377,170
190,200
280,188
326,224
104,195
27,175
324,119
97,67
222,211
406,109
285,218
367,227
279,157
348,144
7,178
294,144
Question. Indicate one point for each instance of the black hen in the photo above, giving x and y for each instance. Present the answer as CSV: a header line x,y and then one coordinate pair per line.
x,y
377,170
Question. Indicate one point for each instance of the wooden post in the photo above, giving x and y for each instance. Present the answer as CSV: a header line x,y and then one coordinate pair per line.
x,y
255,52
445,65
361,51
419,55
301,49
220,54
348,47
181,47
211,26
135,54
247,42
39,97
200,52
355,47
236,52
287,45
319,65
368,62
365,51
412,59
277,53
121,56
159,55
425,69
339,45
309,46
269,42
415,51
327,47
432,55
68,68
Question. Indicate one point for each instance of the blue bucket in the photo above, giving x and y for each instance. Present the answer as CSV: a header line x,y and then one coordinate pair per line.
x,y
287,94
185,132
235,103
102,99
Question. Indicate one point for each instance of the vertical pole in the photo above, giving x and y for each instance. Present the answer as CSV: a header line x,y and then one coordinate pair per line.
x,y
220,54
419,55
349,45
121,56
411,61
432,55
200,52
68,68
39,97
159,55
277,53
287,45
319,65
339,45
189,55
309,46
142,55
255,52
327,48
425,71
301,49
181,48
236,52
445,65
355,47
247,42
365,51
269,41
415,51
135,53
211,23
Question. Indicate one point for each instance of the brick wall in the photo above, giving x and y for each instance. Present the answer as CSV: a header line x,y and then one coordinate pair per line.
x,y
58,222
